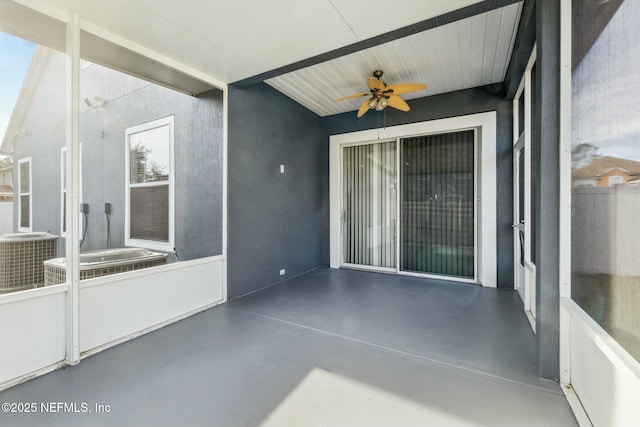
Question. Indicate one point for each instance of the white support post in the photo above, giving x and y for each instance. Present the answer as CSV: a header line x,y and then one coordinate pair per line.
x,y
73,189
565,187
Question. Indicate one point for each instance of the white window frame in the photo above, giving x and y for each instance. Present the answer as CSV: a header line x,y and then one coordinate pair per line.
x,y
30,194
615,180
63,190
150,244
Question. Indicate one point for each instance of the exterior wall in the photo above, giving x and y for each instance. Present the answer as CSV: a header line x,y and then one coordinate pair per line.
x,y
603,181
129,101
6,217
6,176
452,105
276,221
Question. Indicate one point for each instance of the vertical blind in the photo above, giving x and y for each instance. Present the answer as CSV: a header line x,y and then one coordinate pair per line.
x,y
437,204
369,205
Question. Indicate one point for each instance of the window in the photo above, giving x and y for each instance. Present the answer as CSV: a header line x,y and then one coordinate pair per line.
x,y
63,191
24,194
149,192
585,183
605,272
615,180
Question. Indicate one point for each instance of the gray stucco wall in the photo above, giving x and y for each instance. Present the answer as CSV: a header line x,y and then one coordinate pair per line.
x,y
276,221
454,104
198,155
267,129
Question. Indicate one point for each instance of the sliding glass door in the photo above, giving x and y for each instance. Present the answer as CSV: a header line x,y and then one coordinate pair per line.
x,y
435,205
369,205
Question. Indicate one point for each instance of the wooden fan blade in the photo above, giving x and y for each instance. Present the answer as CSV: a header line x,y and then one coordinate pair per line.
x,y
396,102
402,88
363,108
357,95
375,84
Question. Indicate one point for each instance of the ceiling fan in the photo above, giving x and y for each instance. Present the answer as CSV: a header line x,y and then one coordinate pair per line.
x,y
383,96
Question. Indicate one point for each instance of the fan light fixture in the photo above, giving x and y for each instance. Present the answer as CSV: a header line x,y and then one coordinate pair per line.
x,y
383,96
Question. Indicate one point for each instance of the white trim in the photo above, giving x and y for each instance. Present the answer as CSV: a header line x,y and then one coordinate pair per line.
x,y
565,188
143,127
387,270
29,193
72,345
576,406
63,189
225,171
437,277
486,123
530,268
32,375
27,294
111,278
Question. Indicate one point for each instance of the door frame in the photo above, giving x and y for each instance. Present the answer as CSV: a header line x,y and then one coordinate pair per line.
x,y
524,140
486,232
517,225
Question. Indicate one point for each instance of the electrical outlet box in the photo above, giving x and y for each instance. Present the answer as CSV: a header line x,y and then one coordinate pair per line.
x,y
84,208
107,208
282,272
281,168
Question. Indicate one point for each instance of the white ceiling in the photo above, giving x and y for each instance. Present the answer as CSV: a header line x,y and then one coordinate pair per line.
x,y
468,53
232,40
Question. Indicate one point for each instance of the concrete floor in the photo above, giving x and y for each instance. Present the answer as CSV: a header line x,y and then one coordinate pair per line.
x,y
331,347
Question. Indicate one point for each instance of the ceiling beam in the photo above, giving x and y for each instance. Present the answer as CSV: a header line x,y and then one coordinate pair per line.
x,y
522,48
32,25
447,18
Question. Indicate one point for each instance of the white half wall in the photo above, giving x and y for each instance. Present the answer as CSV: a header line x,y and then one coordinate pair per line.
x,y
122,306
32,333
604,376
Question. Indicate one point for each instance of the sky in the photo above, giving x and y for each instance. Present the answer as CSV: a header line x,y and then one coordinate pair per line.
x,y
15,58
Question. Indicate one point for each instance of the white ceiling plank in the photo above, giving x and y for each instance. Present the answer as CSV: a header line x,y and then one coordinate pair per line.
x,y
478,32
452,57
423,64
465,52
492,34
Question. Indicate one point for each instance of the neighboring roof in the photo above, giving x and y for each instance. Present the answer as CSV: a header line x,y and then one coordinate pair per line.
x,y
602,165
24,98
